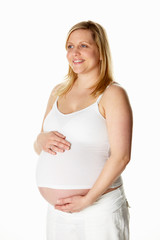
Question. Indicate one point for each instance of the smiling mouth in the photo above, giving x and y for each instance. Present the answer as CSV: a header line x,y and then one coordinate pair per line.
x,y
77,61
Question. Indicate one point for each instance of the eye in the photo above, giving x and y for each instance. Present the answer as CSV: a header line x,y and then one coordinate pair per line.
x,y
70,46
84,46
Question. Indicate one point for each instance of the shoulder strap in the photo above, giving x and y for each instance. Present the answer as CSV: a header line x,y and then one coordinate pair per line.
x,y
99,98
112,83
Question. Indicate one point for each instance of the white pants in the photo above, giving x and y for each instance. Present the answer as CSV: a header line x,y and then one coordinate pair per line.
x,y
106,219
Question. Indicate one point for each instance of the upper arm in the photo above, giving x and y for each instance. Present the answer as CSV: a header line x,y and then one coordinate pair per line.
x,y
118,114
50,103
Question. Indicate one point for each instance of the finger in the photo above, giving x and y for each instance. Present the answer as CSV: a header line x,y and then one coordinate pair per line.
x,y
59,134
62,145
50,151
59,145
56,149
64,142
60,140
64,208
64,201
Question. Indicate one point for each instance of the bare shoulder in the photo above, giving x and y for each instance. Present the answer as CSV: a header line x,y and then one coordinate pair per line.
x,y
53,95
115,97
54,90
115,90
114,93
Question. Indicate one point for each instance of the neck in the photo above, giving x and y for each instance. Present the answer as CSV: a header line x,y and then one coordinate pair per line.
x,y
85,81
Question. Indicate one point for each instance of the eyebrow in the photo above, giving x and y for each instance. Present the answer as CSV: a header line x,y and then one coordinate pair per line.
x,y
80,42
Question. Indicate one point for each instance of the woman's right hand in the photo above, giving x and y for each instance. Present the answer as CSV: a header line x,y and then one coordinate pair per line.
x,y
53,142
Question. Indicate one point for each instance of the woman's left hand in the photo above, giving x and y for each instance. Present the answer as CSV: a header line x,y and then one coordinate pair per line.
x,y
72,204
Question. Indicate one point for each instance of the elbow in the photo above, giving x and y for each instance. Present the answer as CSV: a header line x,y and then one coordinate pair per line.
x,y
123,159
126,159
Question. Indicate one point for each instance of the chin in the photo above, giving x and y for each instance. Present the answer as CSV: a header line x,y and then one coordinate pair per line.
x,y
78,71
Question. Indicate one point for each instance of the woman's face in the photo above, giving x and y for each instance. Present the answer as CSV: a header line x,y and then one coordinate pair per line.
x,y
82,52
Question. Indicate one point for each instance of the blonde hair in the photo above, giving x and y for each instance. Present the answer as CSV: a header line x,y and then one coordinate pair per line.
x,y
105,78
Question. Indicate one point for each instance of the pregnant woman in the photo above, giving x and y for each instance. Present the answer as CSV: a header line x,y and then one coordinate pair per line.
x,y
85,144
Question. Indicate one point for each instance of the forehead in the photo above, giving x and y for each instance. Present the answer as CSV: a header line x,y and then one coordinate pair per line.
x,y
81,35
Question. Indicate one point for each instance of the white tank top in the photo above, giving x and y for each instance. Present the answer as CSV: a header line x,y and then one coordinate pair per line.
x,y
79,167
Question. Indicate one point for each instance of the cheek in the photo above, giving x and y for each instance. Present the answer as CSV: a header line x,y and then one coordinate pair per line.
x,y
67,55
69,58
96,56
92,54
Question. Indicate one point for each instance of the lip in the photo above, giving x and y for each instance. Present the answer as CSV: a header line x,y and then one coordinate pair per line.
x,y
78,61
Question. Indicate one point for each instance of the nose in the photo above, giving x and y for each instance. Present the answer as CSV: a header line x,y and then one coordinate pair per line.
x,y
76,51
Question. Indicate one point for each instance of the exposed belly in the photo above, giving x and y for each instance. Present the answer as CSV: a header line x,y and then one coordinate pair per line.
x,y
52,195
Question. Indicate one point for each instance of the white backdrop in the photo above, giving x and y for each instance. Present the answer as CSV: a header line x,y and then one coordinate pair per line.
x,y
32,62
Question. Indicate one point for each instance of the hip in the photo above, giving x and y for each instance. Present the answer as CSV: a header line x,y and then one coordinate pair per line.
x,y
106,218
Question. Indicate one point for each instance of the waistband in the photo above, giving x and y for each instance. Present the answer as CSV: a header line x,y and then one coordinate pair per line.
x,y
112,200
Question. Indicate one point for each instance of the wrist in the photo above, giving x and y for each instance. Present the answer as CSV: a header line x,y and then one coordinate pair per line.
x,y
89,199
93,195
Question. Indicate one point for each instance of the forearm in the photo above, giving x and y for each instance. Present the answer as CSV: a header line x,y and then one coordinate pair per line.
x,y
111,171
